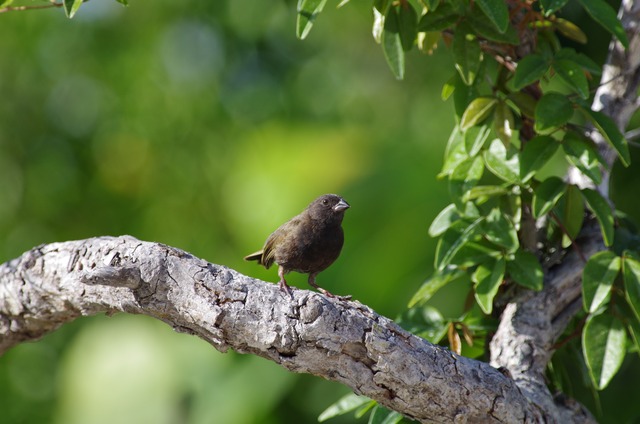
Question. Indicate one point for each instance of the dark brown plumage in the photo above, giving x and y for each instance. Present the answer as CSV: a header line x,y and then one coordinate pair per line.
x,y
308,243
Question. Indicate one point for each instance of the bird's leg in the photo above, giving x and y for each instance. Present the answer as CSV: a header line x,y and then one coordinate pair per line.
x,y
312,283
283,283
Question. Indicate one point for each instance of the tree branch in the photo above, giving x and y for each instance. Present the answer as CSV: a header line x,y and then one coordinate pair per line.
x,y
531,323
337,340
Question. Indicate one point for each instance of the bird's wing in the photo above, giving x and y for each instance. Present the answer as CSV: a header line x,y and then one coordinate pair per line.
x,y
285,233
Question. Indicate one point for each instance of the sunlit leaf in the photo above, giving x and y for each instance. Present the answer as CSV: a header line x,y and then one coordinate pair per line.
x,y
455,153
475,137
392,48
525,270
308,11
503,122
484,191
530,69
553,111
605,15
547,195
72,6
602,210
382,415
603,345
477,111
583,60
583,156
487,279
536,154
345,404
444,220
597,279
502,162
611,133
570,30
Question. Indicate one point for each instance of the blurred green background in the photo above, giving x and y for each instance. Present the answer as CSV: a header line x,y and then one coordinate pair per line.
x,y
205,125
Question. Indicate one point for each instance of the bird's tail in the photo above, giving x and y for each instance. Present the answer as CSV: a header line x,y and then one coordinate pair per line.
x,y
257,256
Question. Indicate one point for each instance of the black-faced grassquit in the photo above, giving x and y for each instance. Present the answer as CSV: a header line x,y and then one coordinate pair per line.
x,y
308,243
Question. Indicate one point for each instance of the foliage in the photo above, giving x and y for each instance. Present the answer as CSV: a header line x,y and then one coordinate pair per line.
x,y
521,98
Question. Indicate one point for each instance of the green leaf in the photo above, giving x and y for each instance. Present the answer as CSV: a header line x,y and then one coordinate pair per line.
x,y
123,2
5,3
611,133
453,240
408,25
455,153
525,270
605,15
524,102
465,176
573,75
438,20
485,29
487,281
444,220
308,10
547,195
602,210
603,346
382,415
502,162
572,214
448,88
530,69
498,229
496,11
71,7
551,6
474,139
345,404
583,156
426,322
584,61
393,53
437,281
553,111
503,122
570,30
477,111
484,191
536,154
631,274
382,6
598,276
466,53
463,95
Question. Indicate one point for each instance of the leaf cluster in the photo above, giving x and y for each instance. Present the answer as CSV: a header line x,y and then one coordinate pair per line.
x,y
521,100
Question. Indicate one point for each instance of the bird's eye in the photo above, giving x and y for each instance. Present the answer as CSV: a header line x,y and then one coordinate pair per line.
x,y
325,202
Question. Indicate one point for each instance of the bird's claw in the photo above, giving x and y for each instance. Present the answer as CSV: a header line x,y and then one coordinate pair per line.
x,y
285,288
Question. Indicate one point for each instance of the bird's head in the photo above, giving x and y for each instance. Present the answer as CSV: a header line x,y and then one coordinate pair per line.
x,y
329,207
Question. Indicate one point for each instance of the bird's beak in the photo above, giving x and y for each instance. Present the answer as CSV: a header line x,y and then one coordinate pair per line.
x,y
341,205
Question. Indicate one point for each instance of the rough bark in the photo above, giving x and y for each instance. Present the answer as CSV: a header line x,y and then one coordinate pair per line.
x,y
532,322
310,333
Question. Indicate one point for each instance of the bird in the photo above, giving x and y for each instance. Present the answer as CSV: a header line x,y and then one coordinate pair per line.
x,y
308,243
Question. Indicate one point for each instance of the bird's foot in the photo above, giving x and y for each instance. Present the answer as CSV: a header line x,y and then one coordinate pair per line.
x,y
335,296
285,288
